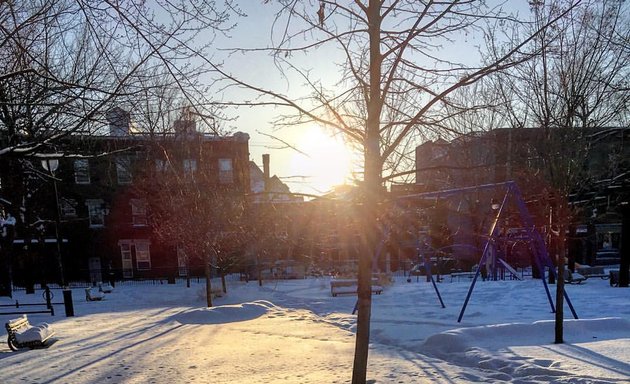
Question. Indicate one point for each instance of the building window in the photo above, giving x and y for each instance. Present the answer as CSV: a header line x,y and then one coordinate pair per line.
x,y
82,171
123,170
139,212
226,174
138,249
68,207
127,261
190,165
143,256
182,261
96,212
160,165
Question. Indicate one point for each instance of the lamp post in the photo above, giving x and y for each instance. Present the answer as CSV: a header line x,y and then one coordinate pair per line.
x,y
495,206
51,166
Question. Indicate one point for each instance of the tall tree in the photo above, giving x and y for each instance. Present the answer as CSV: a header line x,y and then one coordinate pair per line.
x,y
394,72
189,206
574,91
65,63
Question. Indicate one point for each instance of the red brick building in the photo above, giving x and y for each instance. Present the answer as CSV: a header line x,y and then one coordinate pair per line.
x,y
104,226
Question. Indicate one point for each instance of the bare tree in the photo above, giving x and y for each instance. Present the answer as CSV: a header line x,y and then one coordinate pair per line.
x,y
189,207
394,73
65,63
573,90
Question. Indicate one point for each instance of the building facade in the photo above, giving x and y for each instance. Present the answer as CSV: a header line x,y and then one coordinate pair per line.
x,y
594,163
102,226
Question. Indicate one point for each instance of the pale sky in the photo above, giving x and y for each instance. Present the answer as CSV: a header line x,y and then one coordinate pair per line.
x,y
326,162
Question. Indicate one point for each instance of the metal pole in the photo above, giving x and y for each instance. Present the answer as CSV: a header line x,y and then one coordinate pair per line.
x,y
48,297
427,269
58,234
474,281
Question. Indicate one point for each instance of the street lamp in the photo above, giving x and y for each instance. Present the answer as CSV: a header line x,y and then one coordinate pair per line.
x,y
51,166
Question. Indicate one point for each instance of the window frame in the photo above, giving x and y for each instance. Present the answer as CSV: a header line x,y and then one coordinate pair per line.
x,y
96,210
189,166
123,170
182,261
161,165
127,262
68,207
143,255
139,216
82,171
226,174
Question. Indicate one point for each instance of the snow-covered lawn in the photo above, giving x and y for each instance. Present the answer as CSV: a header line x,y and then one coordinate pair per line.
x,y
295,332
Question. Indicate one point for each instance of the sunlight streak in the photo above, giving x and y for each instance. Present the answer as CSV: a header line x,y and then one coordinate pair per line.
x,y
326,161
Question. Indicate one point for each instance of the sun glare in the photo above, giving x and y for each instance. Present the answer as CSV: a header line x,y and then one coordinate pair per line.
x,y
326,161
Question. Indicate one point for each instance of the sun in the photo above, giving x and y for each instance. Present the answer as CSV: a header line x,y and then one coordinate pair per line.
x,y
325,160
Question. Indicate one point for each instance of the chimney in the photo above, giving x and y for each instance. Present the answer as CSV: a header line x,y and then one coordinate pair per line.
x,y
266,170
185,126
119,121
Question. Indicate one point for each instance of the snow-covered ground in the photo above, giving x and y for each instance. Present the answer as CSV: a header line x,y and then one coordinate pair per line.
x,y
296,332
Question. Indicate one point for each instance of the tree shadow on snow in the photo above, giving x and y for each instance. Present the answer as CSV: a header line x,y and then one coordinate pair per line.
x,y
588,357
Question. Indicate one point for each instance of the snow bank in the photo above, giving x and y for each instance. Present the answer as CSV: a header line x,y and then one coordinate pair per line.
x,y
499,336
224,313
164,334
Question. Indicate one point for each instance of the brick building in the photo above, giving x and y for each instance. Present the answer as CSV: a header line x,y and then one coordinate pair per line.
x,y
104,227
600,160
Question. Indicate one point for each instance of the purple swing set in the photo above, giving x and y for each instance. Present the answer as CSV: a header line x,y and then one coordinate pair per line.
x,y
541,256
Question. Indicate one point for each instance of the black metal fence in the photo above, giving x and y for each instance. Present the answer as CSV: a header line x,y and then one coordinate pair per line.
x,y
138,281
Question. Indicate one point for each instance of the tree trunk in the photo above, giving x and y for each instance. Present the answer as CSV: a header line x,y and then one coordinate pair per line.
x,y
572,248
624,267
258,270
6,251
223,284
208,284
187,272
559,328
552,247
371,190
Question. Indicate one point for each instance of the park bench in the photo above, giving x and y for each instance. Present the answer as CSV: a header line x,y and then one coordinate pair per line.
x,y
459,275
93,294
21,334
573,277
105,287
589,272
614,278
350,286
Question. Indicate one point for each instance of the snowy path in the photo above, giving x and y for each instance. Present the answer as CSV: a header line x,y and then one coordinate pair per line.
x,y
294,332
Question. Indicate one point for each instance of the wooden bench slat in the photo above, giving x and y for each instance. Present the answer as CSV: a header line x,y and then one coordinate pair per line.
x,y
349,286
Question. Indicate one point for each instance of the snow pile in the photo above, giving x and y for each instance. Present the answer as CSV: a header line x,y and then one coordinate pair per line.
x,y
225,313
295,332
497,336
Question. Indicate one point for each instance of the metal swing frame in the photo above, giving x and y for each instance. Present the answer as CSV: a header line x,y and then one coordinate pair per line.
x,y
541,257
